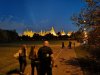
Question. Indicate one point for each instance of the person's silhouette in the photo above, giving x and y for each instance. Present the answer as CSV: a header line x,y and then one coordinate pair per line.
x,y
22,59
34,60
45,56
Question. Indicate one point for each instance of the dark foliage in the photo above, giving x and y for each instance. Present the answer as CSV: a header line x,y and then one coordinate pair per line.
x,y
8,35
15,71
89,65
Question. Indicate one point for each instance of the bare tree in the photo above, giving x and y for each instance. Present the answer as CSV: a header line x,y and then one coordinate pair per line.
x,y
89,18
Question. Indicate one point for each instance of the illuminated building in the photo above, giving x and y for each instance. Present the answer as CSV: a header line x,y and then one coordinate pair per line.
x,y
52,31
42,33
63,33
69,33
29,33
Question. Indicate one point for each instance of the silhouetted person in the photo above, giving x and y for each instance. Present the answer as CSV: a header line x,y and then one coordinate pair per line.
x,y
70,45
34,60
63,45
45,56
22,59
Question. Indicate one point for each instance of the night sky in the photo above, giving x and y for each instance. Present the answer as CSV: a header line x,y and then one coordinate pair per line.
x,y
38,14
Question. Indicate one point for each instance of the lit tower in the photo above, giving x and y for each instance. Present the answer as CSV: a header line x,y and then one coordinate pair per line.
x,y
41,33
62,32
52,31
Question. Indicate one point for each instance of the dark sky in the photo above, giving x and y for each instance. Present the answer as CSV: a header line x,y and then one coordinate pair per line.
x,y
38,14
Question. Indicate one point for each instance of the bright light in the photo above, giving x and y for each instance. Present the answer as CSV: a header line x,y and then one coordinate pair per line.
x,y
84,21
69,34
84,29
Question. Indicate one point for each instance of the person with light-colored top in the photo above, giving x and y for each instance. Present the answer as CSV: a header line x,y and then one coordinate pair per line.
x,y
21,56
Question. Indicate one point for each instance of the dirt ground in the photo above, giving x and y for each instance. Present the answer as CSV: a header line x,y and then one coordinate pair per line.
x,y
63,60
63,68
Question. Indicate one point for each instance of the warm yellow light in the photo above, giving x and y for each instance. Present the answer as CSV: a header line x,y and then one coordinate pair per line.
x,y
84,21
69,34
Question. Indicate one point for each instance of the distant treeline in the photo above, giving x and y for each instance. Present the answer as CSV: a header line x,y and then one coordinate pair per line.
x,y
8,35
48,36
12,36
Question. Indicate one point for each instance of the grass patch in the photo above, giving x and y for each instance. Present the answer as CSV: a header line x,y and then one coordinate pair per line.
x,y
89,65
81,53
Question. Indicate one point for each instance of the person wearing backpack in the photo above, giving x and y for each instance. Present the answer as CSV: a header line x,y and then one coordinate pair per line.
x,y
34,60
45,56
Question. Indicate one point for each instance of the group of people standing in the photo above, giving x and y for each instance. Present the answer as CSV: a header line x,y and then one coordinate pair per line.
x,y
69,44
43,59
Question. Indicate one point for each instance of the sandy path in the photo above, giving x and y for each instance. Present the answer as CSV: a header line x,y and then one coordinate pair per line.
x,y
62,68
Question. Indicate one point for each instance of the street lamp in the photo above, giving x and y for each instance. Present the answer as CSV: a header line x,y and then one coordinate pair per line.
x,y
85,40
